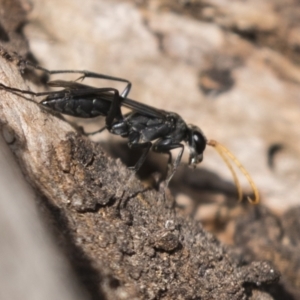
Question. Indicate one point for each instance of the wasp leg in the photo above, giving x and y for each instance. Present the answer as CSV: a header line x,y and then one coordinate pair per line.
x,y
85,74
162,146
146,146
26,92
94,132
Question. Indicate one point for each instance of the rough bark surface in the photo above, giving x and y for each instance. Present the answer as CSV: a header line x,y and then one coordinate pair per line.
x,y
135,243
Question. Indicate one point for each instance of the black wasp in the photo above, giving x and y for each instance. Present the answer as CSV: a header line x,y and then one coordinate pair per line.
x,y
145,127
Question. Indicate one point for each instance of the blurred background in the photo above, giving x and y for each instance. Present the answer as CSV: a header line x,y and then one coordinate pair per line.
x,y
229,67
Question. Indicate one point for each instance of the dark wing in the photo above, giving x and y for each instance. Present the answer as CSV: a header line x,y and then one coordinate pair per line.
x,y
143,109
80,89
69,84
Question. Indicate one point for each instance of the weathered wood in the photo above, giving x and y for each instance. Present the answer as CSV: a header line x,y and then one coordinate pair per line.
x,y
128,241
31,265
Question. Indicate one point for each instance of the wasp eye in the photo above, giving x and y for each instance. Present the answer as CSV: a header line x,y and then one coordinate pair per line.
x,y
199,141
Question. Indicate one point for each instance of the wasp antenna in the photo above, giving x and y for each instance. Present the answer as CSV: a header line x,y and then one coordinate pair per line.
x,y
221,150
227,162
246,174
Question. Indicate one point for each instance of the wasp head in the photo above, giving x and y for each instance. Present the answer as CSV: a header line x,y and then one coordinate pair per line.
x,y
197,143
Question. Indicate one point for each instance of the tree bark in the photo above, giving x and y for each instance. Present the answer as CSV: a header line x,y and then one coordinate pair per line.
x,y
120,238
